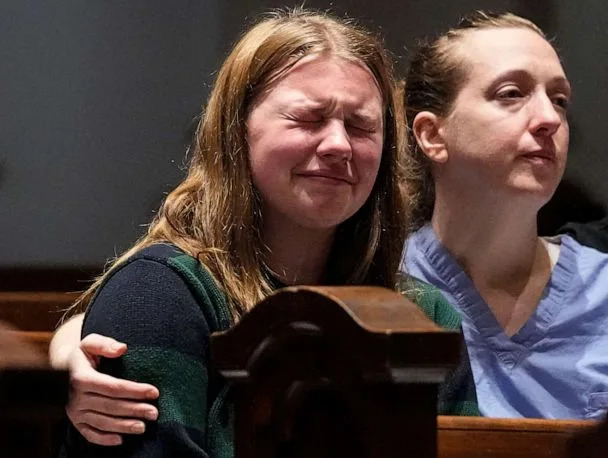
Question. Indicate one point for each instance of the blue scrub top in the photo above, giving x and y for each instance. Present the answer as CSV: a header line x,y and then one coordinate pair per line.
x,y
556,365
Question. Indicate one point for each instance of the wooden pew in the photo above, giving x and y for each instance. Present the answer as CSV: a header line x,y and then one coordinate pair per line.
x,y
35,314
37,339
32,399
34,310
331,372
590,442
335,371
472,437
457,437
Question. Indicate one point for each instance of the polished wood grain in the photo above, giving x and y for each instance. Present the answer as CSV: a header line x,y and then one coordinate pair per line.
x,y
378,321
34,310
331,372
472,437
32,398
40,340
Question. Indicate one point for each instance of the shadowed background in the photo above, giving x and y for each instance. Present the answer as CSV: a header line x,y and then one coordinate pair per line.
x,y
98,100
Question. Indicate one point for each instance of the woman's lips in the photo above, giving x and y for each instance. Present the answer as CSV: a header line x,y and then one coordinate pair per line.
x,y
541,156
327,177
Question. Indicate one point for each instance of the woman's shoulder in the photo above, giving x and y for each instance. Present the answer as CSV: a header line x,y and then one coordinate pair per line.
x,y
164,273
165,254
430,299
588,263
175,260
156,263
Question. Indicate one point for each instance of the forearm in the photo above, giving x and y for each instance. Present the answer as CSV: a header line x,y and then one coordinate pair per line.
x,y
66,339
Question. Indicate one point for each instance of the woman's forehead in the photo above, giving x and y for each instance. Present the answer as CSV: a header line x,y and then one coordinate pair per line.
x,y
330,58
504,49
310,71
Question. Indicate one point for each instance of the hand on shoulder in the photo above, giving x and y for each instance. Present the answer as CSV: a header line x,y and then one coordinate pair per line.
x,y
102,407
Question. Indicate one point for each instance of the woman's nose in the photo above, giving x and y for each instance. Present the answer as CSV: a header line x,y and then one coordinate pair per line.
x,y
545,118
335,141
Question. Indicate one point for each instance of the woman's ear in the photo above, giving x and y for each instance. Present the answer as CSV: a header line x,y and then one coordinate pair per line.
x,y
428,133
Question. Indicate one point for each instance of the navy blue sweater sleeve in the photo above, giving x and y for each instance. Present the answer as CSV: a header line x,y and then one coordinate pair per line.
x,y
149,306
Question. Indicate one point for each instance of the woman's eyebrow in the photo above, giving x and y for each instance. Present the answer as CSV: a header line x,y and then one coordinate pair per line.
x,y
561,83
365,118
511,74
526,75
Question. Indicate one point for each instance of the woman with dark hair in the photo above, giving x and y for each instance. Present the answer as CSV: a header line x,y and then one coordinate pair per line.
x,y
487,112
593,234
296,178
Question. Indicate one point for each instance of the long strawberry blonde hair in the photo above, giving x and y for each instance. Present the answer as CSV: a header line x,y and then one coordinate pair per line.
x,y
214,213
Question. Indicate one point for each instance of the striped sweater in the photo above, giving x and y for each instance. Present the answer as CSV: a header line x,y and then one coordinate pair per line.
x,y
164,304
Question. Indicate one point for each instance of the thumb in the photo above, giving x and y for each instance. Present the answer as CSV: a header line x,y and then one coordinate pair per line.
x,y
98,345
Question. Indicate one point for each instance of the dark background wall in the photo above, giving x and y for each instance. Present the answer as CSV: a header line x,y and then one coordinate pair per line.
x,y
97,99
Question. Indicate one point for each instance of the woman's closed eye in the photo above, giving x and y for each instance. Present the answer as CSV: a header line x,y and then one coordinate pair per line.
x,y
304,114
361,128
305,119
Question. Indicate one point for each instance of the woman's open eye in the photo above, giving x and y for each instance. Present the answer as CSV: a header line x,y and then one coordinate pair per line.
x,y
561,101
509,93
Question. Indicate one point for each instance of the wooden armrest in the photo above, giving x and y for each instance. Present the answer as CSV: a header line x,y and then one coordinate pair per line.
x,y
34,311
478,437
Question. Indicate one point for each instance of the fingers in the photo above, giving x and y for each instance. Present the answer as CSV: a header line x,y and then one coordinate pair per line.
x,y
103,407
98,345
106,424
116,408
91,381
98,437
103,429
85,379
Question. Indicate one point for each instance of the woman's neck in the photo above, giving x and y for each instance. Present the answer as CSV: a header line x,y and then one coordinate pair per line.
x,y
298,255
498,247
493,237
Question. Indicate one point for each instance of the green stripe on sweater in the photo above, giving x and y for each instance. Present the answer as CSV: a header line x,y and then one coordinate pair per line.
x,y
206,291
430,300
169,368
